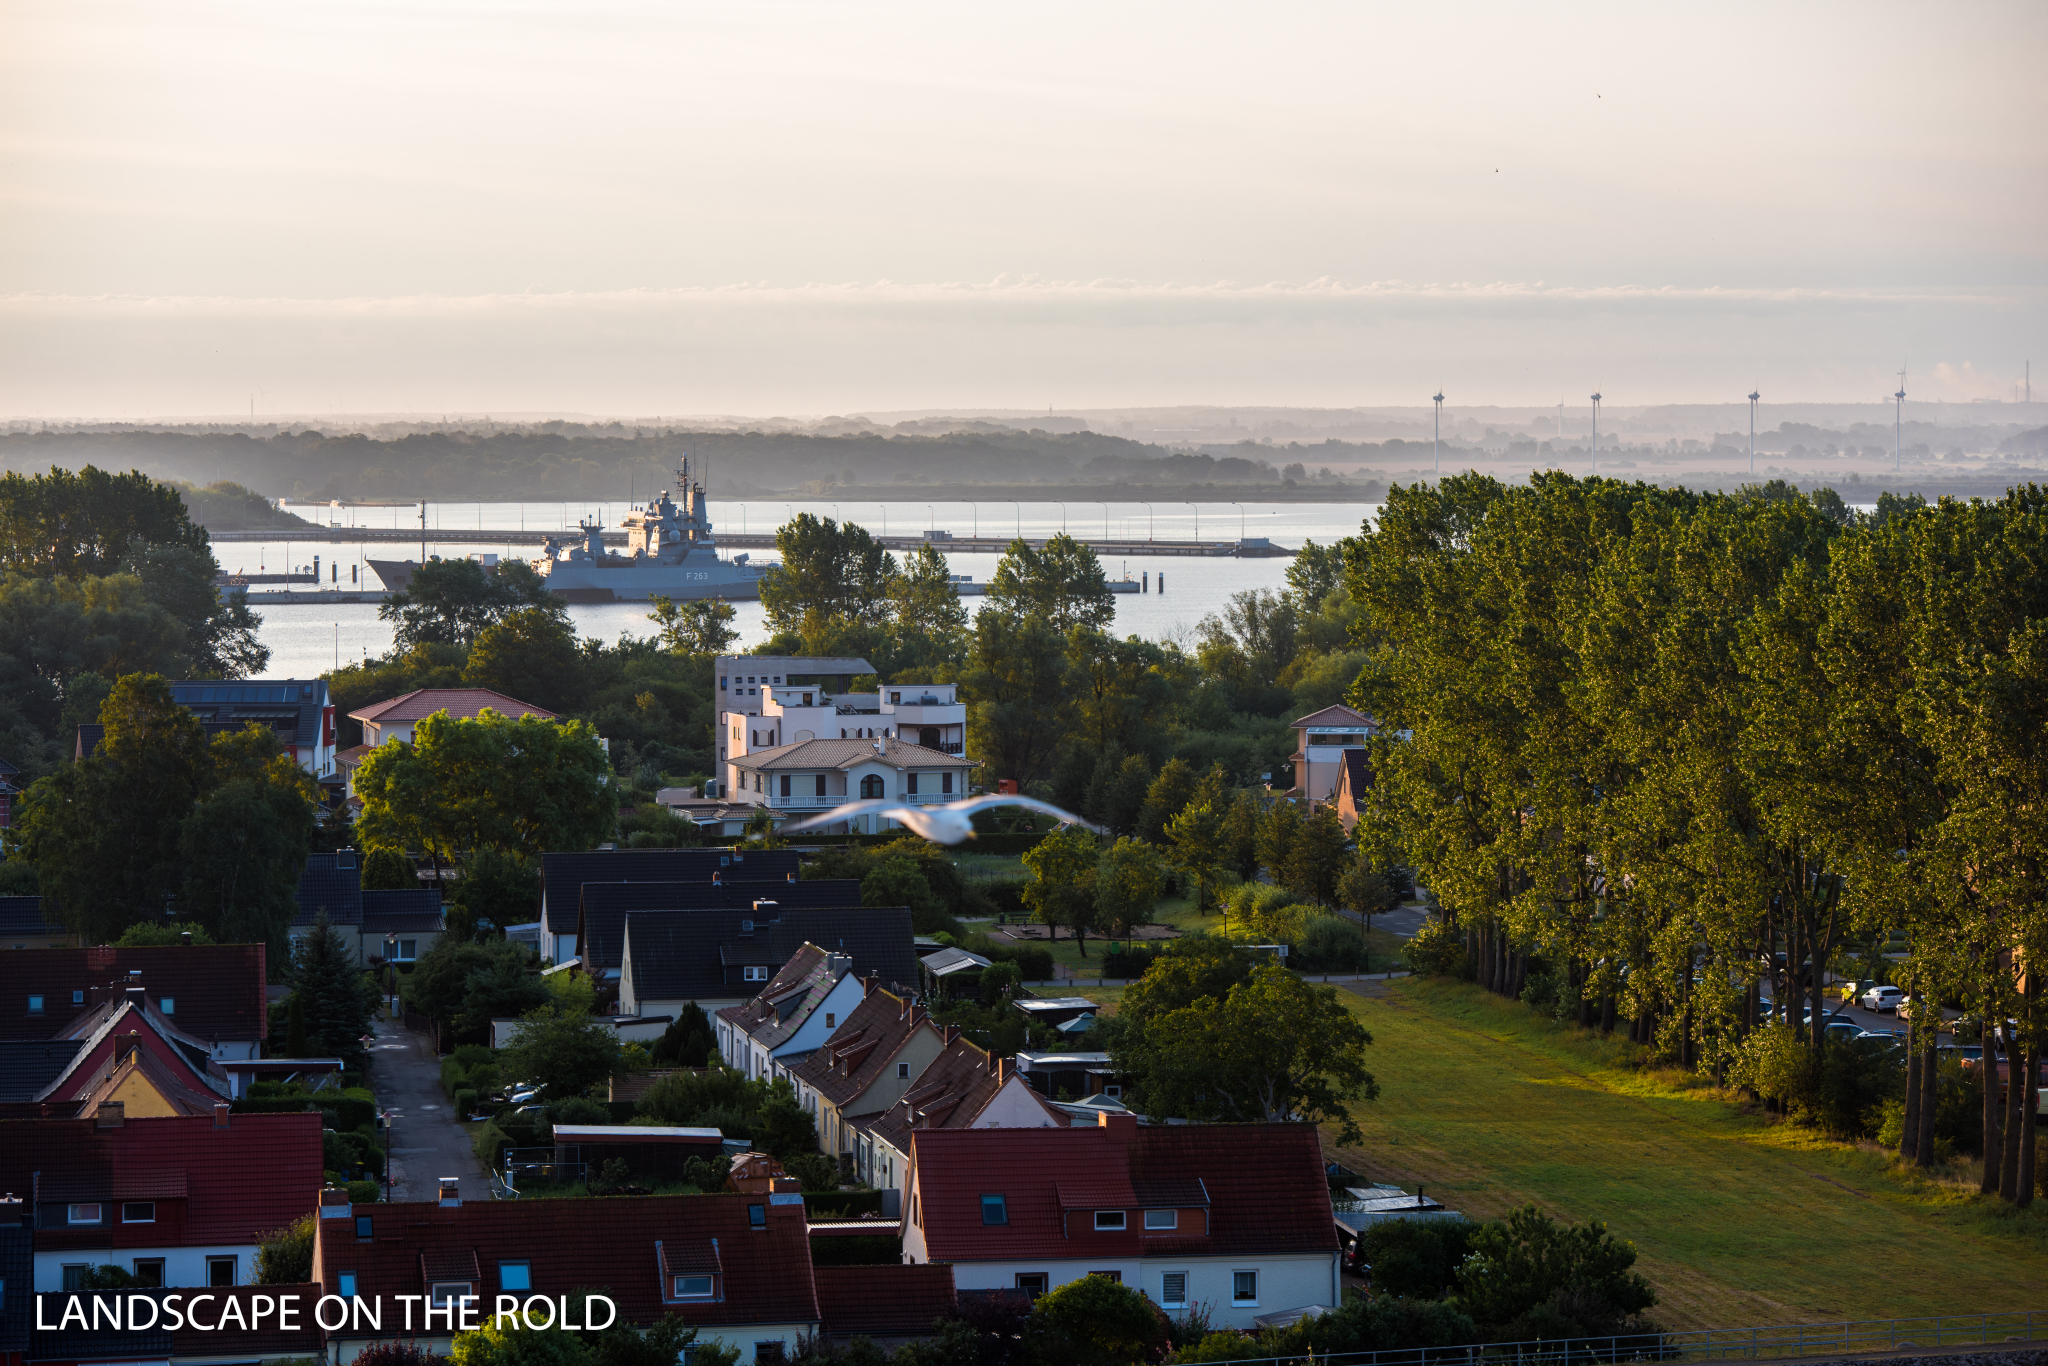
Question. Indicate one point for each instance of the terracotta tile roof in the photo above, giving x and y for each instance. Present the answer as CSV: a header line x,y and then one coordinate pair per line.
x,y
267,1342
167,1081
257,1174
950,1093
601,920
884,1301
460,703
841,754
765,1272
863,1049
1265,1186
1338,715
217,989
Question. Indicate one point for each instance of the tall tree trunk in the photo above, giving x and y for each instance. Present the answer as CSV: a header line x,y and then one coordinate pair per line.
x,y
1909,1128
1987,1072
2016,1093
2030,1086
1579,993
1930,1097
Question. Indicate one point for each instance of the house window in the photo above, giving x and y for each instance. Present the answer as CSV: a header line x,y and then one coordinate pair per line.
x,y
407,948
74,1275
444,1293
912,787
770,1351
757,1216
149,1272
753,974
821,784
35,1005
1031,1283
870,788
363,1226
807,699
995,1210
1173,1289
515,1276
82,1214
946,782
721,683
895,699
785,784
1162,1218
77,996
1109,1221
220,1271
903,1071
345,1285
1244,1287
693,1288
167,1004
139,1212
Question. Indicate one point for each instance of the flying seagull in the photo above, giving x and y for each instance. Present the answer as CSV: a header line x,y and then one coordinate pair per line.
x,y
948,824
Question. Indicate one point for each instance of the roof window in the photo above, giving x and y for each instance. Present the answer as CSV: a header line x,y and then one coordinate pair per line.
x,y
1109,1221
757,1216
515,1276
995,1209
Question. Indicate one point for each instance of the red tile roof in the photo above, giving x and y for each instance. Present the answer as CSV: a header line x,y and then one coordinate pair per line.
x,y
863,1048
950,1093
884,1301
459,703
1336,715
217,989
1265,1187
618,1243
267,1341
257,1174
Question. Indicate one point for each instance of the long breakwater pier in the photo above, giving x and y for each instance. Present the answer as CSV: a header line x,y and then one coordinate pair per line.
x,y
1256,547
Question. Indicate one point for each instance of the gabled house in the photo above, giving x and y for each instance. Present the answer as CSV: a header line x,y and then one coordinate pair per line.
x,y
24,925
395,718
1320,742
724,958
562,877
402,922
736,1267
876,1054
212,992
1353,781
299,710
1235,1217
124,1050
965,1087
601,918
809,777
173,1201
795,1013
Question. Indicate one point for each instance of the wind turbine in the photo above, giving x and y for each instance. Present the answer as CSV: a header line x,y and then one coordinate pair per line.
x,y
1753,396
1899,422
1437,437
1596,433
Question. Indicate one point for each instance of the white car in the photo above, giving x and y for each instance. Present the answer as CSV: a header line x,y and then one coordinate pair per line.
x,y
1882,999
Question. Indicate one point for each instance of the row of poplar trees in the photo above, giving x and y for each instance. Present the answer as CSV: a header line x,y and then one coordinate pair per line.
x,y
1679,746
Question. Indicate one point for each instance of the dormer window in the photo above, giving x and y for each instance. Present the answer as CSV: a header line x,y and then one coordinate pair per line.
x,y
1109,1221
753,974
82,1214
443,1294
1157,1219
692,1288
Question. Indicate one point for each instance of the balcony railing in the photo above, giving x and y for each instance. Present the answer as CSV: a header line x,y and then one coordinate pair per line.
x,y
805,801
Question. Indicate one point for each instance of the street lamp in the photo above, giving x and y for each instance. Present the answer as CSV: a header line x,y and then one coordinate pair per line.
x,y
1148,520
1596,433
1105,519
391,970
1198,522
1240,521
935,516
1063,517
1020,516
1753,396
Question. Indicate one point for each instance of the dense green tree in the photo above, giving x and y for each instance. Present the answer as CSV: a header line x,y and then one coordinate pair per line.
x,y
164,934
927,606
220,629
59,635
1196,838
451,602
529,655
104,833
74,525
1167,797
1115,794
1318,858
1118,688
698,626
245,841
1130,876
566,1051
827,572
1097,1320
1192,968
1061,584
465,985
782,1127
1529,1259
388,870
899,882
498,888
1014,685
1062,887
335,998
687,1042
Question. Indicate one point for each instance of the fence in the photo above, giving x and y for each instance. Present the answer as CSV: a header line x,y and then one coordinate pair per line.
x,y
530,1167
1790,1342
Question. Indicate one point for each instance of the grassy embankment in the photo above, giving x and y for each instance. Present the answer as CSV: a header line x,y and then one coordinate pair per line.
x,y
1739,1220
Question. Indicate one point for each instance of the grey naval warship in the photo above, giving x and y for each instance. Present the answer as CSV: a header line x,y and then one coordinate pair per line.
x,y
670,552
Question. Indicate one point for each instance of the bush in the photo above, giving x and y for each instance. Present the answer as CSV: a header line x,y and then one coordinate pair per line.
x,y
365,1192
817,1171
1003,895
1416,1258
285,1256
1127,961
1437,950
1385,1323
578,1110
1528,1273
687,1042
490,1144
1098,1319
1033,964
465,1102
1328,943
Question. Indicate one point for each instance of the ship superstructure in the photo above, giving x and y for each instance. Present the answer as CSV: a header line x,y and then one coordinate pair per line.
x,y
671,551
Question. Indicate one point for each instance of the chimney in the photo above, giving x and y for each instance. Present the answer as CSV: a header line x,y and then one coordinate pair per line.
x,y
136,996
868,985
185,938
838,964
220,1114
952,1033
789,877
451,1192
717,880
333,1203
1123,1122
110,1114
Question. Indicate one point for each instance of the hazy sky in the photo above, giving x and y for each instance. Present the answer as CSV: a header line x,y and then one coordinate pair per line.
x,y
809,208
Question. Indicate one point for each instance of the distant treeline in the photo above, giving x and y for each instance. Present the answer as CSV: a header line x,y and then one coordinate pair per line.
x,y
580,465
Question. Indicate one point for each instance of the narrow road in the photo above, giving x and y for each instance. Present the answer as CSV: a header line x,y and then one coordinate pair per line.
x,y
428,1141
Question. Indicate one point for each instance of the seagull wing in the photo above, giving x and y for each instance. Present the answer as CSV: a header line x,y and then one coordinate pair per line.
x,y
850,811
982,803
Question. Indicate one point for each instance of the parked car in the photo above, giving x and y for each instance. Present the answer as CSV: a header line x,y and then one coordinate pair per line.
x,y
1883,999
1843,1029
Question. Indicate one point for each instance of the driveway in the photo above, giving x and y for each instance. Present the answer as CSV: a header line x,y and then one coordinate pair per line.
x,y
427,1139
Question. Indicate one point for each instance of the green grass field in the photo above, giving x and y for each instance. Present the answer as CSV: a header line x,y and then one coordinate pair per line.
x,y
1180,913
1739,1221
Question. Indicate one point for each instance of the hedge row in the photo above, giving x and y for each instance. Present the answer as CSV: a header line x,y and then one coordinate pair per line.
x,y
339,1109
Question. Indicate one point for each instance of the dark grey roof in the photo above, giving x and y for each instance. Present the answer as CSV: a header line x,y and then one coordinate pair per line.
x,y
323,883
692,955
601,925
565,874
294,707
102,1343
24,915
17,1260
27,1066
407,910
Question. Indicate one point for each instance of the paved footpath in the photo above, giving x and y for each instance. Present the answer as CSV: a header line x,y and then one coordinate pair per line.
x,y
427,1138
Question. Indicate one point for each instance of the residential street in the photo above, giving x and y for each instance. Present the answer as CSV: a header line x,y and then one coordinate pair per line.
x,y
427,1138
